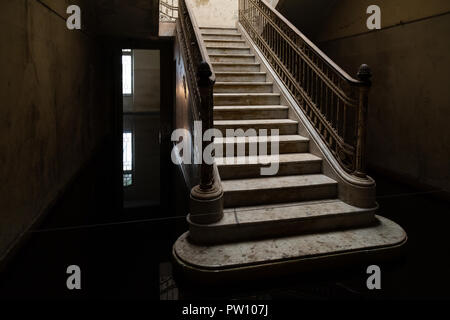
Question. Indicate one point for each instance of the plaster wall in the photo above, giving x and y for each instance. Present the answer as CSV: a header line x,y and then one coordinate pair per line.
x,y
54,110
215,13
409,104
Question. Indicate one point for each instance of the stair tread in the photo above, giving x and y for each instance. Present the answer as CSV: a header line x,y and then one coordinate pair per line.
x,y
281,138
237,63
257,160
286,211
225,40
231,55
209,46
242,94
255,122
384,234
244,83
276,182
240,72
261,108
218,27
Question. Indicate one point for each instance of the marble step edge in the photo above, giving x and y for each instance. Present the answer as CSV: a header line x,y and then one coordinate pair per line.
x,y
384,241
242,83
287,143
235,55
271,221
282,138
278,189
244,167
236,64
226,40
210,46
256,122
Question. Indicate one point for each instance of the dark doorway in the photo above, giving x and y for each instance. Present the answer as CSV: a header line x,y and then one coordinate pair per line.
x,y
145,117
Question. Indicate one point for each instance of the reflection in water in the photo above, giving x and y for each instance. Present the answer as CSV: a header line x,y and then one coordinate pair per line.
x,y
141,159
127,159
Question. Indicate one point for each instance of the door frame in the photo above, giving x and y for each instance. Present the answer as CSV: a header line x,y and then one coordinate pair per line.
x,y
167,94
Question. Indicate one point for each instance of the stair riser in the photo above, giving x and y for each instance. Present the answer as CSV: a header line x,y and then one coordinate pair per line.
x,y
236,68
283,228
243,88
216,43
245,100
283,128
218,31
232,59
228,50
279,195
284,147
244,77
254,170
250,114
219,37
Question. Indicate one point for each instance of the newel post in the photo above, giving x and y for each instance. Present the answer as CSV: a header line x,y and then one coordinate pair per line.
x,y
364,75
207,197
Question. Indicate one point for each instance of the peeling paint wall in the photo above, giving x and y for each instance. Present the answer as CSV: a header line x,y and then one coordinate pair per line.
x,y
54,109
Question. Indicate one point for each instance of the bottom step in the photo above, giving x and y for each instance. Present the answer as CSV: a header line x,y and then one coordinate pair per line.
x,y
280,256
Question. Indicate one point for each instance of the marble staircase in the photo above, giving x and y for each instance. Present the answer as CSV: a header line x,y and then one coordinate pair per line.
x,y
292,215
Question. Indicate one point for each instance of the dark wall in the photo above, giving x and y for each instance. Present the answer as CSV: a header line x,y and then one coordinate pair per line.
x,y
409,104
55,109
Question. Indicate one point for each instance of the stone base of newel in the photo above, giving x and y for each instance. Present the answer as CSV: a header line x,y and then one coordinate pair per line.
x,y
206,206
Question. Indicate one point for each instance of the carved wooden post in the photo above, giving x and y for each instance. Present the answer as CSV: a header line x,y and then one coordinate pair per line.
x,y
364,75
207,197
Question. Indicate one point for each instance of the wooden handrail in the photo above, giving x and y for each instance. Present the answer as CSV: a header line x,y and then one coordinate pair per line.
x,y
334,102
201,79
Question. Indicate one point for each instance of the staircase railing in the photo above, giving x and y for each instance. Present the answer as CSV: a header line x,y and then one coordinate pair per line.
x,y
168,10
200,80
334,102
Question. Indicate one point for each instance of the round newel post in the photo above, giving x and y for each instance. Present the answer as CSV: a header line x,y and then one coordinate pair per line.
x,y
207,197
364,75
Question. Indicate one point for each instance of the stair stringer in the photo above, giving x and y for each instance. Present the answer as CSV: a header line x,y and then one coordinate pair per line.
x,y
358,192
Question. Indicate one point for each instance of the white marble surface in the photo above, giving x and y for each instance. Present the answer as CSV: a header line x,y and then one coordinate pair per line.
x,y
387,233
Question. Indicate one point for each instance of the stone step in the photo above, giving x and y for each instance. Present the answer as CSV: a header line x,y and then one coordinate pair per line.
x,y
281,220
235,58
236,67
220,36
246,99
227,50
219,30
244,167
238,43
271,190
243,87
286,143
222,76
250,112
284,126
236,262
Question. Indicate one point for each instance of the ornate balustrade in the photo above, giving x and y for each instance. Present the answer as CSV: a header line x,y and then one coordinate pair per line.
x,y
168,10
334,102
